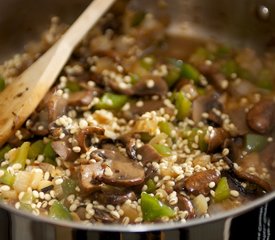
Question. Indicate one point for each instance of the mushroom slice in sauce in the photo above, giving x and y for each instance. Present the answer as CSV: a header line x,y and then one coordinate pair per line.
x,y
121,171
198,183
261,117
216,138
64,150
147,86
82,135
185,204
148,154
204,104
88,177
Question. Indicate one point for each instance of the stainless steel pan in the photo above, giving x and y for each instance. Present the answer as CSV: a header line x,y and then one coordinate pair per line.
x,y
239,23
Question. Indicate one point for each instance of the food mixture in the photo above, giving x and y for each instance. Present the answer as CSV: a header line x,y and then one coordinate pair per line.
x,y
130,134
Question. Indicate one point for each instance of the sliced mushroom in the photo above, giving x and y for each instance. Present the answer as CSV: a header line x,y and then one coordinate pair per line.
x,y
82,135
205,104
261,117
121,171
216,138
56,107
240,175
114,196
88,177
150,85
136,110
198,183
130,144
237,115
80,98
64,150
148,154
185,204
147,86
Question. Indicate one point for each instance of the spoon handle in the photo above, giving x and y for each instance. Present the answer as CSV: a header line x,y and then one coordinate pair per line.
x,y
19,99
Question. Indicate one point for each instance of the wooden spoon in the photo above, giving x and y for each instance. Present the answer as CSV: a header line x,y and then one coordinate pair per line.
x,y
19,99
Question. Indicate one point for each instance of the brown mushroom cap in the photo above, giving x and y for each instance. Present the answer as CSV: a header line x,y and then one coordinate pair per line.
x,y
198,183
261,117
88,175
124,172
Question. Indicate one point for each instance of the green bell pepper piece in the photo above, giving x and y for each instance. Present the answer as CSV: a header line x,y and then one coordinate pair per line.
x,y
7,178
22,154
222,190
165,127
59,211
48,151
229,67
3,151
183,105
137,19
173,75
255,142
153,209
190,72
73,86
265,80
163,150
147,62
36,149
111,101
151,186
68,187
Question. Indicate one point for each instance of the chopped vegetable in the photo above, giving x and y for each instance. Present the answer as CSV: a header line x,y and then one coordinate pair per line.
x,y
3,151
200,205
73,86
173,75
255,142
59,211
153,209
148,62
22,154
190,72
163,150
151,186
137,19
7,178
36,149
68,187
111,101
48,151
166,128
222,190
229,67
183,105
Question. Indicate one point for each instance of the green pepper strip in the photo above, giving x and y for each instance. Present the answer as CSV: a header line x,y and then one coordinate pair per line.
x,y
222,190
163,150
151,186
255,142
153,209
3,151
36,149
22,154
183,105
165,127
59,211
111,101
7,178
